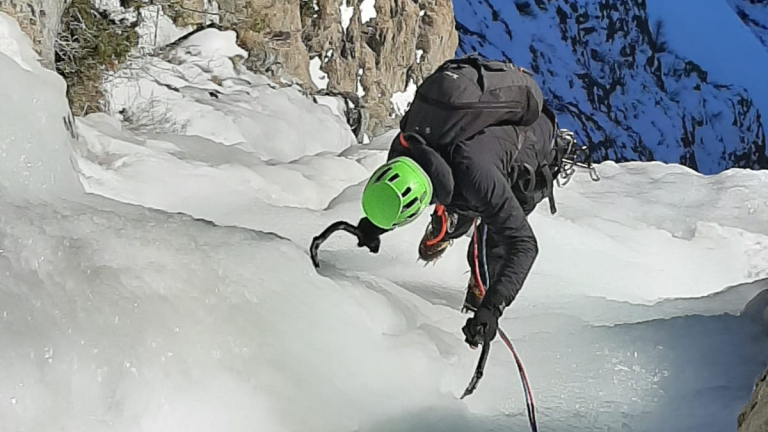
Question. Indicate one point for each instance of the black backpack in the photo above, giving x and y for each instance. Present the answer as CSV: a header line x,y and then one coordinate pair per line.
x,y
537,167
464,96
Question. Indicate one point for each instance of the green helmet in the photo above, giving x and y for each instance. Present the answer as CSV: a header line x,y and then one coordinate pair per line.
x,y
396,193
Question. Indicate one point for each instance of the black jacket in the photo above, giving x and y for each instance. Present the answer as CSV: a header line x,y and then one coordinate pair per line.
x,y
473,178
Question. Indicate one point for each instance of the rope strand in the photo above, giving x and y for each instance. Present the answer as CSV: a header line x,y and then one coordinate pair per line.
x,y
482,284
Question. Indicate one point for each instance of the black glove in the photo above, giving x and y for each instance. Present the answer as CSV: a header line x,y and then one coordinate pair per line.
x,y
482,327
369,235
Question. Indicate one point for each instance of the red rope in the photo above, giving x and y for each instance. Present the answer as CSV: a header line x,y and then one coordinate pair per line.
x,y
526,386
478,278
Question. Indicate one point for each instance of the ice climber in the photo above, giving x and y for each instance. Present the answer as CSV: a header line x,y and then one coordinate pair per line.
x,y
479,142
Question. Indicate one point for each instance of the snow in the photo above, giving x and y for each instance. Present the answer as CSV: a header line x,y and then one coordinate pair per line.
x,y
336,104
182,95
177,295
419,55
359,89
367,10
319,78
755,16
155,29
402,100
614,101
211,8
728,54
346,13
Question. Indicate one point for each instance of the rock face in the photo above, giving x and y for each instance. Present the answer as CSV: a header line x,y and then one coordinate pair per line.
x,y
607,70
40,20
754,13
379,56
372,53
365,51
754,416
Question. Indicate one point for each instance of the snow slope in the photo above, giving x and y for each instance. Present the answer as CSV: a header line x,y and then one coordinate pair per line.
x,y
177,294
728,54
614,81
754,13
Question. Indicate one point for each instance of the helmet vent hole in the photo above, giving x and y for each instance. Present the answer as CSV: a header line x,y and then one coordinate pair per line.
x,y
410,204
406,191
394,178
383,174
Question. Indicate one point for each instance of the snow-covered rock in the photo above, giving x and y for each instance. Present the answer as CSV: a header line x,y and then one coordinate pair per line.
x,y
380,49
615,81
180,91
754,13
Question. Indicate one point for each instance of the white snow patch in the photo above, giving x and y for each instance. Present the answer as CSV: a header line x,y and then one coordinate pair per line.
x,y
346,14
213,44
156,29
111,6
359,85
402,100
367,10
419,55
211,8
319,78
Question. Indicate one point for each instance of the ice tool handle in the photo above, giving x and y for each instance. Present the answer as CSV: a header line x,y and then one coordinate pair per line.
x,y
318,240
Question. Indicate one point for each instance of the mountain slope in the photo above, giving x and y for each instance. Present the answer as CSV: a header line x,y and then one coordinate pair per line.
x,y
613,79
754,13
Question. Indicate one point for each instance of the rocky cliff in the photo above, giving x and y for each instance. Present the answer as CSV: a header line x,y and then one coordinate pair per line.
x,y
754,416
379,50
611,76
371,52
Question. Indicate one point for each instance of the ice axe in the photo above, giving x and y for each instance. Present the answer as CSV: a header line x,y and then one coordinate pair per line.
x,y
318,240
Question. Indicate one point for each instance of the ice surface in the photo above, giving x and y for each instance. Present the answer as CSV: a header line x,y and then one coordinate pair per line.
x,y
178,295
35,149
